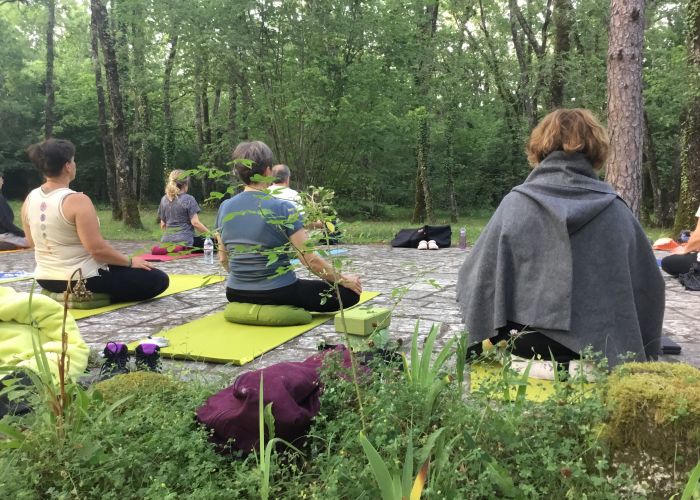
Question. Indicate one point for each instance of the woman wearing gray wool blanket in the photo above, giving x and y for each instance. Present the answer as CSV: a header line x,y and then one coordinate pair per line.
x,y
563,261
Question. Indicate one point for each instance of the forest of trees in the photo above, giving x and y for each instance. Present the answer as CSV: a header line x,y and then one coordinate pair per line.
x,y
423,104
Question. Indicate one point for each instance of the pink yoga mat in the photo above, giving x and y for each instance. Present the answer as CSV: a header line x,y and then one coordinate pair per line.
x,y
164,258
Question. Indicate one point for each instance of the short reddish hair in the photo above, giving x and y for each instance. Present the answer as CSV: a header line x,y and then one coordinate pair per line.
x,y
572,131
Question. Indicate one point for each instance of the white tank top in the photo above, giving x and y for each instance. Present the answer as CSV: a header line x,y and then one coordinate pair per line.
x,y
57,247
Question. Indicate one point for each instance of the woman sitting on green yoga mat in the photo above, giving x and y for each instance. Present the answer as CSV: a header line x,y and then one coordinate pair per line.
x,y
256,233
62,227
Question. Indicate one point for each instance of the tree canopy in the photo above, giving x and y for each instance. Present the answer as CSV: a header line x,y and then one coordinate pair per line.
x,y
372,98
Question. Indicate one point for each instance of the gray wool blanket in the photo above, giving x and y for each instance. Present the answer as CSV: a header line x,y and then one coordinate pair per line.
x,y
565,256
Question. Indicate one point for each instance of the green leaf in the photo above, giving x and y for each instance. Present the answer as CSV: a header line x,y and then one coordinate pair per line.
x,y
379,469
407,475
692,489
425,380
10,431
415,372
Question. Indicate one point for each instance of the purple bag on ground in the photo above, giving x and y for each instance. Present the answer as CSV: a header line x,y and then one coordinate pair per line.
x,y
294,390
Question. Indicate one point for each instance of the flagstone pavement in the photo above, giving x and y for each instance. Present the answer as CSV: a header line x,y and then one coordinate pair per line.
x,y
429,276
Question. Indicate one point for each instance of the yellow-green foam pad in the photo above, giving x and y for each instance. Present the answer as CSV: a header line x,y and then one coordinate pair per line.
x,y
178,283
214,339
537,390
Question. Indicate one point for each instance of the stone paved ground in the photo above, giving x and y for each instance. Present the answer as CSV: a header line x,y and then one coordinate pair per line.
x,y
382,269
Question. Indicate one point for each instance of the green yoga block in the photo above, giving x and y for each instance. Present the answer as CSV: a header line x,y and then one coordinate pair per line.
x,y
97,300
363,320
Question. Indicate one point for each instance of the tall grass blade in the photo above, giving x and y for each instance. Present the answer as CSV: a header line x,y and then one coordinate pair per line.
x,y
692,489
407,475
379,469
414,355
444,355
419,483
425,358
461,361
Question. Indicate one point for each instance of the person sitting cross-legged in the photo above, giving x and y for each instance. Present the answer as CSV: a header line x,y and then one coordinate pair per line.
x,y
11,236
563,264
178,213
62,227
685,256
253,225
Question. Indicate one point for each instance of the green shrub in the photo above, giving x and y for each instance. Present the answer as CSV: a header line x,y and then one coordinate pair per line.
x,y
151,447
361,209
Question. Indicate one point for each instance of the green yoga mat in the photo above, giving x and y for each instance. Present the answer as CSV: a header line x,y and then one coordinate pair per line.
x,y
492,376
178,283
214,339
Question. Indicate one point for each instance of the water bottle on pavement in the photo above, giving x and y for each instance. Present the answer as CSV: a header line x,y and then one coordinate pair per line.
x,y
463,238
208,251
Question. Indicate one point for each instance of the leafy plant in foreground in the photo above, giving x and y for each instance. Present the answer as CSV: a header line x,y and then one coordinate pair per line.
x,y
395,486
266,420
421,374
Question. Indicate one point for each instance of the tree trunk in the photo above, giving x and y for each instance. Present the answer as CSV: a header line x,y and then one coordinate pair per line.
x,y
105,134
216,106
674,189
562,18
625,121
144,118
426,31
689,199
142,114
206,124
49,86
247,97
198,122
169,132
232,113
651,167
127,198
450,167
424,205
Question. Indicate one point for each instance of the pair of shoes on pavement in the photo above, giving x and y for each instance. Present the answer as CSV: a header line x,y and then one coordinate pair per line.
x,y
428,245
544,370
147,358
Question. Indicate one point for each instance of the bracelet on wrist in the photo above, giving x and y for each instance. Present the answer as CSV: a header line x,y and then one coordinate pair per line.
x,y
128,263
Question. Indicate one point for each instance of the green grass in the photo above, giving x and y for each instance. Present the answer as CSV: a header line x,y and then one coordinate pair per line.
x,y
355,232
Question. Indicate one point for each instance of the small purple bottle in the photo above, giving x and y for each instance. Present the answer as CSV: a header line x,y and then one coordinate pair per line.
x,y
463,238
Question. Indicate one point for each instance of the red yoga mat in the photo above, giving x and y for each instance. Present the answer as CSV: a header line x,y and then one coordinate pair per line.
x,y
164,258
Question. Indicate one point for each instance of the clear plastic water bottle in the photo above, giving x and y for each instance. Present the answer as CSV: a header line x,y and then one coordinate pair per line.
x,y
463,238
208,251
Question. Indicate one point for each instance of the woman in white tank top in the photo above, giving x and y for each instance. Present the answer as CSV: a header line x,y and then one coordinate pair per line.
x,y
62,227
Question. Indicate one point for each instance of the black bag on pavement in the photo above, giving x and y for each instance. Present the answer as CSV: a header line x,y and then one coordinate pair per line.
x,y
668,346
691,279
409,238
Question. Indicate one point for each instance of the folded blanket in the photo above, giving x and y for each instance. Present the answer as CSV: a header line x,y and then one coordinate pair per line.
x,y
16,332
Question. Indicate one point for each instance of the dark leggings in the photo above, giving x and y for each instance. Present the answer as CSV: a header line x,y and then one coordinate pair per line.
x,y
678,264
122,284
312,295
197,245
529,345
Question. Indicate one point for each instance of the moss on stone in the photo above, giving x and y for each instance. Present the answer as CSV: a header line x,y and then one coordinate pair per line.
x,y
142,385
655,409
